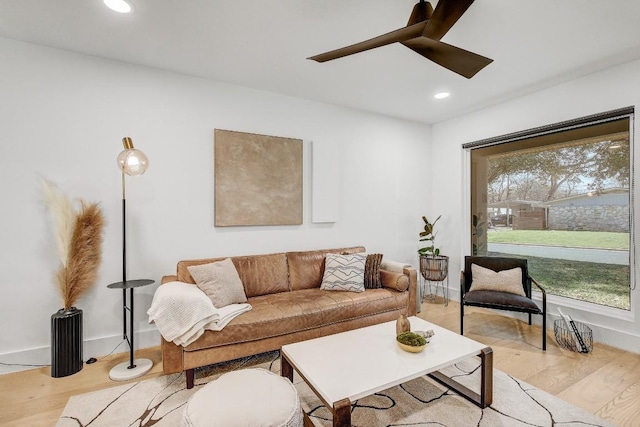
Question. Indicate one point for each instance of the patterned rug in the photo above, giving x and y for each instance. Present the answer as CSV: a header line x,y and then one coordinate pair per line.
x,y
421,402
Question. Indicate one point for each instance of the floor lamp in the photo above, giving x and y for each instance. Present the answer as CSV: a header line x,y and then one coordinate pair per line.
x,y
132,162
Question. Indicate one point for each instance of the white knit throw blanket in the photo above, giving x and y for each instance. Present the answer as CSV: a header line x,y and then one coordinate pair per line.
x,y
182,312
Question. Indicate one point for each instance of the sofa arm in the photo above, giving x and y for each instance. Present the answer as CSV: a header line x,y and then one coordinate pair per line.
x,y
413,290
171,357
171,353
167,279
403,282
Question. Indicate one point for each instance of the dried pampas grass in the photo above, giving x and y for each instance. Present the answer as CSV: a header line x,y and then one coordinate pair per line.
x,y
79,241
63,216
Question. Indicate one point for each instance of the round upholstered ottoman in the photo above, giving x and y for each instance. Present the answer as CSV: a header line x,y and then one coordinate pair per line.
x,y
249,397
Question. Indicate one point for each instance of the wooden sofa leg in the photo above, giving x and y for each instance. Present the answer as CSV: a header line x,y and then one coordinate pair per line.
x,y
190,377
461,319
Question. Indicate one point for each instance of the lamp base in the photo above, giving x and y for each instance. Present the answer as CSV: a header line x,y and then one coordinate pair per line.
x,y
121,372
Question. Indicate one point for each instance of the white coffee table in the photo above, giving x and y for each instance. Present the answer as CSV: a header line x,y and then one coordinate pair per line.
x,y
348,366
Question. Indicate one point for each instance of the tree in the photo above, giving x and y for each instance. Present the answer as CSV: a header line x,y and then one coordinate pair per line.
x,y
613,162
545,173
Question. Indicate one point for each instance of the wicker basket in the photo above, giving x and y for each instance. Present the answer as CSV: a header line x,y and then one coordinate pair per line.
x,y
566,339
434,269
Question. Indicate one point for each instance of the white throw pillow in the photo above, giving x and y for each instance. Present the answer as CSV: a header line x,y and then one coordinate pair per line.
x,y
484,279
220,281
344,272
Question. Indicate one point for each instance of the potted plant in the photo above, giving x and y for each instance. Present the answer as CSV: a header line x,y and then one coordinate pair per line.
x,y
433,266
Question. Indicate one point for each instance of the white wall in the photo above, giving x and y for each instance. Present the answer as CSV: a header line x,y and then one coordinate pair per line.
x,y
62,117
607,90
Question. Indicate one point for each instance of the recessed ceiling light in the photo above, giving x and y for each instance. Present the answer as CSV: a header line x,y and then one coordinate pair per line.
x,y
441,95
119,6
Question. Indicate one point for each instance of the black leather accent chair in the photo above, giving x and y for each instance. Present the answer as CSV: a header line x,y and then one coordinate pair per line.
x,y
501,300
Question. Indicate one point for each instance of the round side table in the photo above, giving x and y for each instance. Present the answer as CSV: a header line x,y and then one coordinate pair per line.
x,y
138,367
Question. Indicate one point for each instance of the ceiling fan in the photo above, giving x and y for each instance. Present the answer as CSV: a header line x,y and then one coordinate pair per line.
x,y
422,34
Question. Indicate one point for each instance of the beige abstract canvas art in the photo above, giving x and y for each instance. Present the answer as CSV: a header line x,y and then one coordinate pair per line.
x,y
258,179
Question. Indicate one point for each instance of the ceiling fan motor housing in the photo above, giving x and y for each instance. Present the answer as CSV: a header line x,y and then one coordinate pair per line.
x,y
420,13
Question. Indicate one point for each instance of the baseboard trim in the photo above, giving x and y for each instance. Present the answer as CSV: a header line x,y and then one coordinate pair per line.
x,y
92,347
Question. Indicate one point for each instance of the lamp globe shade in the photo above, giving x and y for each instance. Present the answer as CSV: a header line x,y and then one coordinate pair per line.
x,y
133,162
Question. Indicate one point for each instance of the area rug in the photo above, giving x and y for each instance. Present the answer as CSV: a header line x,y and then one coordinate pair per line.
x,y
421,402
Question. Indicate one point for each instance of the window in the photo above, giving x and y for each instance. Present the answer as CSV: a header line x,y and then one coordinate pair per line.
x,y
561,196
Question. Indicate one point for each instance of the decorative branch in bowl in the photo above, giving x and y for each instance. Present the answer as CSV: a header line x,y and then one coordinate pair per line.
x,y
79,240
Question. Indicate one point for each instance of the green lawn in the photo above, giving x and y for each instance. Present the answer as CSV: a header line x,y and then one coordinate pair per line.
x,y
605,284
573,239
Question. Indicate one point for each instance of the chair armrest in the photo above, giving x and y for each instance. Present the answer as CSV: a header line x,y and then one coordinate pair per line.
x,y
407,281
462,285
544,293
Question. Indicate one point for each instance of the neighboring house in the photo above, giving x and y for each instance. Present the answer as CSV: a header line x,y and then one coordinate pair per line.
x,y
523,214
605,210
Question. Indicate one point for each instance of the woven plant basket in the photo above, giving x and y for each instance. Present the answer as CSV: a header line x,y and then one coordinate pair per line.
x,y
435,268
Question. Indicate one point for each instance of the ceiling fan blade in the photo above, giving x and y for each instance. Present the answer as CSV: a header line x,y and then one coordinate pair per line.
x,y
399,35
446,13
460,61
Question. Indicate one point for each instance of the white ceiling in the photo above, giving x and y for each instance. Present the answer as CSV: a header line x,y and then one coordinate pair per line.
x,y
263,44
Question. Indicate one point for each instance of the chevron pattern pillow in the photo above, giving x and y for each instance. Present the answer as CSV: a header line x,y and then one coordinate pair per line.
x,y
344,272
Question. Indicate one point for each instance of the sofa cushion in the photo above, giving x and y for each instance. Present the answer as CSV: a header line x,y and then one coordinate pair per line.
x,y
286,313
220,281
260,274
263,274
501,301
306,268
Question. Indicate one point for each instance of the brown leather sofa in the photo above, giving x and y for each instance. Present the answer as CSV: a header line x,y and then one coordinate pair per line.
x,y
288,306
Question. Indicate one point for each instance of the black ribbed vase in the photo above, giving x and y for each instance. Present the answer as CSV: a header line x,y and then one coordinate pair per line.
x,y
66,342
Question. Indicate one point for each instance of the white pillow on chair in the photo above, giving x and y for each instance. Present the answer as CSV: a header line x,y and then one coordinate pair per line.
x,y
485,279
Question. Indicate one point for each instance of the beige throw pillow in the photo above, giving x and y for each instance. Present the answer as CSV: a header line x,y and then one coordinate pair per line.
x,y
484,279
220,281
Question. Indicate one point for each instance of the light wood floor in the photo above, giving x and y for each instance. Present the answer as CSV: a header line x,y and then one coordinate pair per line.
x,y
605,382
